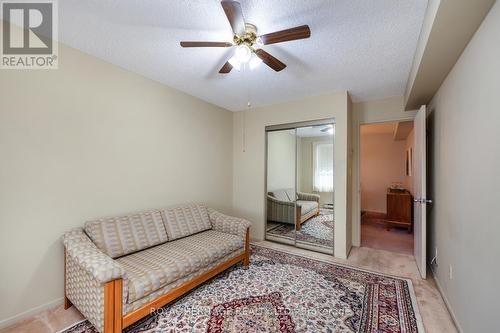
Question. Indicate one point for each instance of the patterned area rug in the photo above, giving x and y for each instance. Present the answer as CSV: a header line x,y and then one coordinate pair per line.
x,y
317,230
281,292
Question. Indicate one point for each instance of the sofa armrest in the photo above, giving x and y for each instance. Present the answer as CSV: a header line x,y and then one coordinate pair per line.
x,y
90,259
228,224
280,210
89,276
308,196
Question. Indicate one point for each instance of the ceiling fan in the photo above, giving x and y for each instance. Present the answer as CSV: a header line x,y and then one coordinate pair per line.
x,y
248,43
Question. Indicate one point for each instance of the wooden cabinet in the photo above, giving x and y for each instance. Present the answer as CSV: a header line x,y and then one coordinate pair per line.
x,y
399,209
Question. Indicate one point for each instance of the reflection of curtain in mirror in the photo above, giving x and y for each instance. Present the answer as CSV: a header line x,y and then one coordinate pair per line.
x,y
323,167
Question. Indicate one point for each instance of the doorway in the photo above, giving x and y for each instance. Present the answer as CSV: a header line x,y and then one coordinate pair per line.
x,y
386,186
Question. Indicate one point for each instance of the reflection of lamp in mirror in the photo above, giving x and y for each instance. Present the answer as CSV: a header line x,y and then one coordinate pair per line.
x,y
329,129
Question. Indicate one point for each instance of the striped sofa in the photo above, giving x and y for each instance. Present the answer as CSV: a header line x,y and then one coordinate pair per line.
x,y
120,269
284,205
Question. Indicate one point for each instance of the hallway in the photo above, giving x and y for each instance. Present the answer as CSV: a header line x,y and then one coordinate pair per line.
x,y
375,235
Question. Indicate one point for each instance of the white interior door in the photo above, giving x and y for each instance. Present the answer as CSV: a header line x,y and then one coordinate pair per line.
x,y
419,189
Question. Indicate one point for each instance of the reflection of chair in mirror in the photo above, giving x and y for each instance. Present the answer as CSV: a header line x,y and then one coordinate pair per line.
x,y
281,206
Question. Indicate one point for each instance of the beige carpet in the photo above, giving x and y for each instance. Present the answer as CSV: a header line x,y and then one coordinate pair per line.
x,y
375,235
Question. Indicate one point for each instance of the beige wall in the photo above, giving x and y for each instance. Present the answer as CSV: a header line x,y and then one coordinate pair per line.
x,y
409,144
281,160
305,166
249,162
464,181
382,163
88,140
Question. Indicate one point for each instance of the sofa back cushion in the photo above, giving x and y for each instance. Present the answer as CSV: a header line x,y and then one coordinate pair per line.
x,y
121,235
280,195
291,194
185,220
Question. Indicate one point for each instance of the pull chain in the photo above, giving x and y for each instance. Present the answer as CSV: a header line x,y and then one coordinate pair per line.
x,y
249,105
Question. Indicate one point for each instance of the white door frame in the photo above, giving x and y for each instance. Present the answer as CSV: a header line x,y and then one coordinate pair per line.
x,y
356,218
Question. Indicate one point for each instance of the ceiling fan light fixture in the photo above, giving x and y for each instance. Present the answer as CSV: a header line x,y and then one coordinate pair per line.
x,y
258,42
248,42
254,62
243,53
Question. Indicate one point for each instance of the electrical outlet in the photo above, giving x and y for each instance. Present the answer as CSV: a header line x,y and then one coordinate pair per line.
x,y
451,272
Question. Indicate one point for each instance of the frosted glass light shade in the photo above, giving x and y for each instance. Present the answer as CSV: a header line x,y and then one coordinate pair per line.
x,y
243,53
254,62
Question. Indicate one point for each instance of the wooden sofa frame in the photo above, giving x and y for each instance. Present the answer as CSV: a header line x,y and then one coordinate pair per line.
x,y
301,219
115,321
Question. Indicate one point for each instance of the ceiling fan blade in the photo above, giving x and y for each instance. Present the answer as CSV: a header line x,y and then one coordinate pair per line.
x,y
270,60
235,16
206,44
226,68
286,35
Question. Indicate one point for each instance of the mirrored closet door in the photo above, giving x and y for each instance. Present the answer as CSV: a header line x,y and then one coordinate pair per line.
x,y
315,187
280,196
300,184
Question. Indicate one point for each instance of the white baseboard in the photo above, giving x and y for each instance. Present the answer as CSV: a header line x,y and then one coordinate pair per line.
x,y
29,313
445,299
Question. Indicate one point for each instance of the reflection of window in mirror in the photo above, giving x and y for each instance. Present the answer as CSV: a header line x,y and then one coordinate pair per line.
x,y
323,167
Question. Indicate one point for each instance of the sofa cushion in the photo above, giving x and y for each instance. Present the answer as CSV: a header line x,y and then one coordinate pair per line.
x,y
182,221
280,195
121,235
151,269
306,206
291,194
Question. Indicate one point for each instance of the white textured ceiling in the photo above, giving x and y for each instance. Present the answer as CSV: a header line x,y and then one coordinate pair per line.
x,y
363,46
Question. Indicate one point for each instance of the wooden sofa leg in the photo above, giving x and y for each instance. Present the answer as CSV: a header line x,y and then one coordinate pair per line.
x,y
118,306
67,302
298,218
246,261
113,306
109,307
